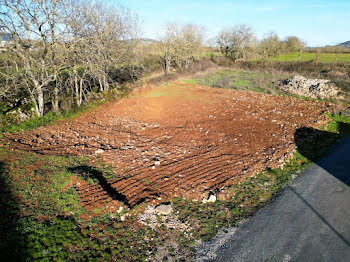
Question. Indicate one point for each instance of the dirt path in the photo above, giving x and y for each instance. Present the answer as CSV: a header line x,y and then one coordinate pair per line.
x,y
181,139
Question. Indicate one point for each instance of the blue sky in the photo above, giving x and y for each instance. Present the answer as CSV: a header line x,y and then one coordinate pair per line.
x,y
316,22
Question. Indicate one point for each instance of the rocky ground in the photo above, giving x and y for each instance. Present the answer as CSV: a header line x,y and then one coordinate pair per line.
x,y
314,88
178,139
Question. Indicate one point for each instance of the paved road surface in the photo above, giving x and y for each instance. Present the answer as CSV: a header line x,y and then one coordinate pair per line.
x,y
310,221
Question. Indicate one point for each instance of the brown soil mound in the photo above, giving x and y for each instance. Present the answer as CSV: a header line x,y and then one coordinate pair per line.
x,y
181,139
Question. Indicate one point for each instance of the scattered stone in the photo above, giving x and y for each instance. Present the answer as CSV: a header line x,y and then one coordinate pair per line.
x,y
99,151
157,163
120,209
314,88
151,217
122,218
164,209
211,199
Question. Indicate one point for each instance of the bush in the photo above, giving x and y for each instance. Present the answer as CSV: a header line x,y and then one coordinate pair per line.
x,y
122,75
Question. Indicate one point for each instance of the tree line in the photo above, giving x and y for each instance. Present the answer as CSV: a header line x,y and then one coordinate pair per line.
x,y
240,42
59,50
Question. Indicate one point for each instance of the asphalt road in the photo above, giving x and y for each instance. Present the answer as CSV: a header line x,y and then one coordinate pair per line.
x,y
310,221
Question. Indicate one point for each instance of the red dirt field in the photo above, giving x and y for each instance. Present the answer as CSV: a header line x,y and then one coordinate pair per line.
x,y
179,139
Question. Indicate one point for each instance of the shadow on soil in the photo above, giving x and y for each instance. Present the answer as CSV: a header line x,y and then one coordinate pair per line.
x,y
90,172
314,144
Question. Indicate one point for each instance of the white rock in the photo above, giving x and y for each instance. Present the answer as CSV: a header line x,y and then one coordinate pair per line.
x,y
122,218
120,209
212,199
99,151
164,209
157,163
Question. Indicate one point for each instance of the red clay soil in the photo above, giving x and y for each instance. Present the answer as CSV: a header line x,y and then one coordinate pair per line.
x,y
94,199
181,139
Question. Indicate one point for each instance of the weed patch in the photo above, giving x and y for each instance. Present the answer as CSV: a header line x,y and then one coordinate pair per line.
x,y
240,80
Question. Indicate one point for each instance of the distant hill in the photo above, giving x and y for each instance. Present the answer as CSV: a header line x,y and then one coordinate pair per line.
x,y
345,44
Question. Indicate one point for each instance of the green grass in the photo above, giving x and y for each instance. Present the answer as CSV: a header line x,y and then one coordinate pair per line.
x,y
239,79
47,119
323,57
40,216
51,117
258,82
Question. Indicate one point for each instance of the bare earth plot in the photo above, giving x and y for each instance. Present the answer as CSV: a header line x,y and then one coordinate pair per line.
x,y
179,139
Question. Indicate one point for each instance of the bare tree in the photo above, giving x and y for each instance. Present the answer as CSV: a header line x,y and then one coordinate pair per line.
x,y
168,46
180,45
270,45
189,44
106,37
10,82
294,44
236,42
37,32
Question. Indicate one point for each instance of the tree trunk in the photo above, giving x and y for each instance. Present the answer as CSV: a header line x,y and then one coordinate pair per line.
x,y
35,104
105,83
300,54
76,91
187,64
101,84
40,98
80,100
55,100
166,66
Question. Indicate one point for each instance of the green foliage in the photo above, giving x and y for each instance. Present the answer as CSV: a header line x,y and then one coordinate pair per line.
x,y
323,57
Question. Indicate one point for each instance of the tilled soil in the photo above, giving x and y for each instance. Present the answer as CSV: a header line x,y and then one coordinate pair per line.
x,y
180,139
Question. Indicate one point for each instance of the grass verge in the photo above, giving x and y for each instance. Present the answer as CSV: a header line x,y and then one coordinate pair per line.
x,y
51,117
